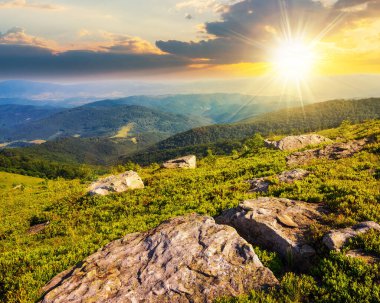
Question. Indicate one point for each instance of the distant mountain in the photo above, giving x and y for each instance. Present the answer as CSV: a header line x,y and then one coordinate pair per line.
x,y
219,108
14,114
103,121
94,151
312,117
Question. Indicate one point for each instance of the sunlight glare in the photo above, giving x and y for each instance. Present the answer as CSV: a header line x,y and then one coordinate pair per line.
x,y
293,60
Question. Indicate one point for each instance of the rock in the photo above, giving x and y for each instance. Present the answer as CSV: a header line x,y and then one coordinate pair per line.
x,y
186,259
332,152
293,175
259,185
35,229
336,239
116,184
183,162
262,184
297,142
276,224
364,256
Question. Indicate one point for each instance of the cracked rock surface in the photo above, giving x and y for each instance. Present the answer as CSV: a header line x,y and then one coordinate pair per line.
x,y
297,142
116,184
332,152
277,224
186,259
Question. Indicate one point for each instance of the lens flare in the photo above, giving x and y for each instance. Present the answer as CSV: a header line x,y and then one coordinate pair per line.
x,y
293,60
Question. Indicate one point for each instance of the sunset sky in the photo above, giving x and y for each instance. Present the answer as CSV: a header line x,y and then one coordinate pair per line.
x,y
189,39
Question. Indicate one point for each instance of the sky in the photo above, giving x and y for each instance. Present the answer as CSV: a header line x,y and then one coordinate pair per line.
x,y
190,40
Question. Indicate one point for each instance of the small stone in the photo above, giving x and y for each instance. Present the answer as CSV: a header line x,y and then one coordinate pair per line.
x,y
285,220
336,239
183,162
116,184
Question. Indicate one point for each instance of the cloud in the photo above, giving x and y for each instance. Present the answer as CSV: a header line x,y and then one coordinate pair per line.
x,y
24,55
126,44
28,4
202,6
17,35
249,29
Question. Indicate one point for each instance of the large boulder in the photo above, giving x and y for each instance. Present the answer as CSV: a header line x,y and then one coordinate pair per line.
x,y
116,184
332,152
183,162
297,142
336,239
276,224
186,259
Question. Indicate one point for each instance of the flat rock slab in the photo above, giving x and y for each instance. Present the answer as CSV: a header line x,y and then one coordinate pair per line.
x,y
186,259
297,142
332,152
364,256
183,162
336,239
277,224
262,184
116,184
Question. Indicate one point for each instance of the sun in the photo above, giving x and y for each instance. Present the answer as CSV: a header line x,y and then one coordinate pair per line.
x,y
293,60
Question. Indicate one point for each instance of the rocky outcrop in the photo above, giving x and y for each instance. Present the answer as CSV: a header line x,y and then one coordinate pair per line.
x,y
367,258
276,224
332,152
37,228
116,184
336,239
293,175
183,162
259,185
186,259
262,184
297,142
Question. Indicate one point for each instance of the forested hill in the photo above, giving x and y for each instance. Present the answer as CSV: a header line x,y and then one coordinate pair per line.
x,y
103,121
218,108
311,117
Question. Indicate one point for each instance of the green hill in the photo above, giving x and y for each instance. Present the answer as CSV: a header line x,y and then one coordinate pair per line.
x,y
311,117
103,121
217,108
14,114
81,224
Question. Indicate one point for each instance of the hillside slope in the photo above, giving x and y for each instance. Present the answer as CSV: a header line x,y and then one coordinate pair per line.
x,y
311,117
14,114
102,121
218,108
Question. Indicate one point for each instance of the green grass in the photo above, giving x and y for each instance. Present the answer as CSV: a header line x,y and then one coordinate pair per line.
x,y
80,224
8,180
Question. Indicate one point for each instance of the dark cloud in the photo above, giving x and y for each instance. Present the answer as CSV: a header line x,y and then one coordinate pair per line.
x,y
24,60
248,29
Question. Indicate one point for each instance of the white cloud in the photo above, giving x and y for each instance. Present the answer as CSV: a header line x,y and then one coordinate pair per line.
x,y
17,35
202,6
28,4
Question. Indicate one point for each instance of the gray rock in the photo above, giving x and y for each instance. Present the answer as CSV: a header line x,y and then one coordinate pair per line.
x,y
297,142
276,224
364,256
186,259
332,152
262,184
259,185
116,184
336,239
293,175
183,162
